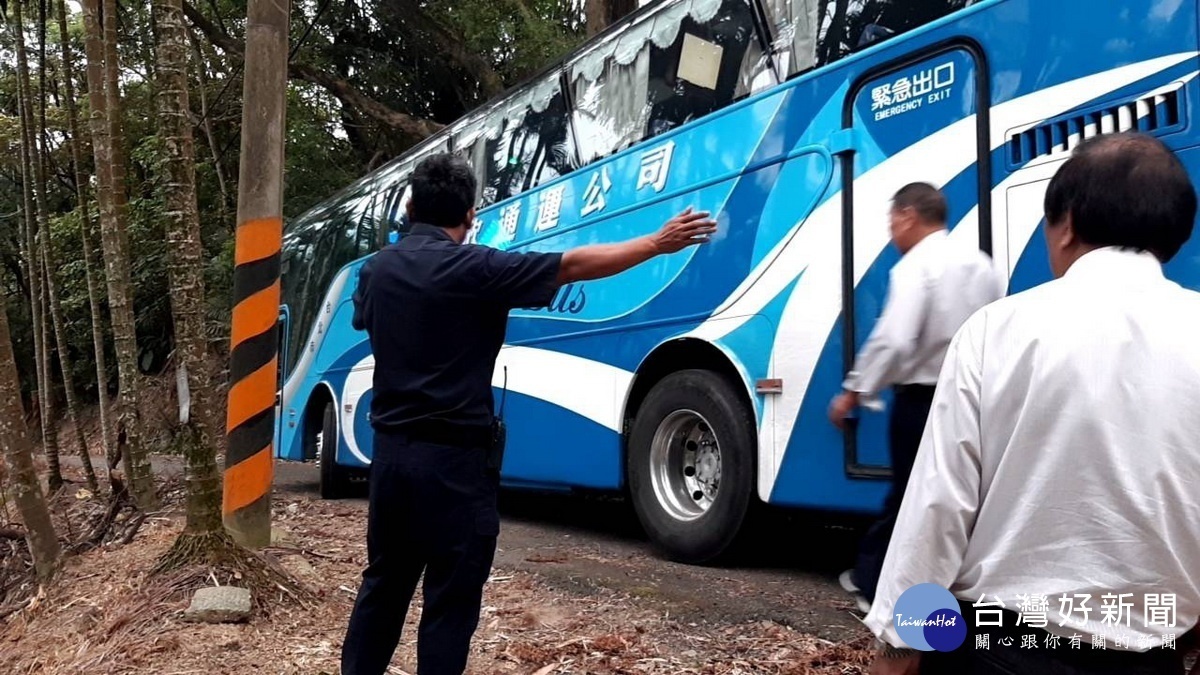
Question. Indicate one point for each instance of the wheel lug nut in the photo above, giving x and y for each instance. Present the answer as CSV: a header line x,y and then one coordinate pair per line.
x,y
689,471
697,495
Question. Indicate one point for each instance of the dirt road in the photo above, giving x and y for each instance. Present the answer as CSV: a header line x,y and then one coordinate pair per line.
x,y
581,543
575,588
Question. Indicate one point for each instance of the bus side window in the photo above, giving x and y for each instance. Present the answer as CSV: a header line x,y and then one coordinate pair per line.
x,y
518,143
296,261
368,226
794,25
707,65
547,149
356,217
391,208
336,247
810,33
475,141
858,26
670,67
398,221
385,211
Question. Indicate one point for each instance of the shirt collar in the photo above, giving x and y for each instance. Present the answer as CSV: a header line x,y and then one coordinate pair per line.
x,y
929,240
424,229
1120,265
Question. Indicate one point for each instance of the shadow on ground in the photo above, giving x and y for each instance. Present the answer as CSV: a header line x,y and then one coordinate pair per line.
x,y
816,542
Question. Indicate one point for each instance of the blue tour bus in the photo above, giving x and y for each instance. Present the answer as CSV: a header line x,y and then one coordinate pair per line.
x,y
699,382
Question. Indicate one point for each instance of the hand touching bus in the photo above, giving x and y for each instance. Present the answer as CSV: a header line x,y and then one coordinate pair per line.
x,y
689,228
686,229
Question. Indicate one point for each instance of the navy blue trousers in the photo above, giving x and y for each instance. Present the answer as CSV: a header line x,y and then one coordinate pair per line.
x,y
432,511
910,410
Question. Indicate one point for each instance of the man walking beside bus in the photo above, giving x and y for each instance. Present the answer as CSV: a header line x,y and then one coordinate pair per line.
x,y
1060,460
937,284
435,312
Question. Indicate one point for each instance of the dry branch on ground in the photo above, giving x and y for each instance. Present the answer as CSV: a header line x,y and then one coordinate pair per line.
x,y
108,614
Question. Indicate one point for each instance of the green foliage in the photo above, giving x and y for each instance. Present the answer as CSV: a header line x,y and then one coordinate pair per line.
x,y
520,36
317,153
424,58
72,293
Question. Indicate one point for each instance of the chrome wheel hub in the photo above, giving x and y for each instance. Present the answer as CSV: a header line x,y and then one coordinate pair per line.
x,y
685,465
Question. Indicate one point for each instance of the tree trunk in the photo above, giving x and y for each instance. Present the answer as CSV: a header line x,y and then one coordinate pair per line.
x,y
64,362
338,87
207,123
116,114
601,14
55,307
28,247
85,233
18,455
186,268
108,142
34,172
120,285
253,358
101,147
42,147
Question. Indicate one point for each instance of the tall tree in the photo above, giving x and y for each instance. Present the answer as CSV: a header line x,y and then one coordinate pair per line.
x,y
18,455
34,172
64,362
85,234
101,143
28,222
49,260
186,269
603,13
253,362
206,123
108,143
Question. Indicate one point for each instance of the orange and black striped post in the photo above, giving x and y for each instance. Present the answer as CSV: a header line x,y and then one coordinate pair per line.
x,y
250,422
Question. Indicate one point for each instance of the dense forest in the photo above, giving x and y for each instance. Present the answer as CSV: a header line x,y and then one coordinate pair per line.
x,y
367,80
121,124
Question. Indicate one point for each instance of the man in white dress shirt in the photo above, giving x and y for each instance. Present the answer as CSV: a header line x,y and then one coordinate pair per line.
x,y
935,286
1059,473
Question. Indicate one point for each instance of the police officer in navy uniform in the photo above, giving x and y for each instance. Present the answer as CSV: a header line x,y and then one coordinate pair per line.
x,y
435,311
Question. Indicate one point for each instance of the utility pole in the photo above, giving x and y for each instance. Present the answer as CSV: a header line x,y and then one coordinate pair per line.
x,y
250,421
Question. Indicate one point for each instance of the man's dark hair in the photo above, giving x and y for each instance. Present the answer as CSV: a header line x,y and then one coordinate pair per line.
x,y
1127,190
443,191
926,200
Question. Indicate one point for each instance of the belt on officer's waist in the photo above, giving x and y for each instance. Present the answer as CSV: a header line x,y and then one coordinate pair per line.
x,y
441,432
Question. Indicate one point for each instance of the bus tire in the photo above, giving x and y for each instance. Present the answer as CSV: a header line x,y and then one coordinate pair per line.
x,y
691,465
335,479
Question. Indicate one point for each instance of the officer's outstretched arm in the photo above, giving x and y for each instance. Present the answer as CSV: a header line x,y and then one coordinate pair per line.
x,y
604,260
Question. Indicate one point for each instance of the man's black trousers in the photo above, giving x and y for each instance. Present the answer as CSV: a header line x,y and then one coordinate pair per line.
x,y
432,509
910,410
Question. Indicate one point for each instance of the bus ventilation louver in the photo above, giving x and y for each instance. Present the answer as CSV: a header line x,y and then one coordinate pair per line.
x,y
1156,113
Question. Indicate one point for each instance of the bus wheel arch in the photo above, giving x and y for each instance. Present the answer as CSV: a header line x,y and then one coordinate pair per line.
x,y
691,450
320,429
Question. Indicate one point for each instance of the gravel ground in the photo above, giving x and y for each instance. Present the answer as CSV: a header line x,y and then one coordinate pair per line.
x,y
575,589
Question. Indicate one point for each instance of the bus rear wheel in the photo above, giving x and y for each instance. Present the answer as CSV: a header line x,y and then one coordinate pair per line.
x,y
691,465
335,479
